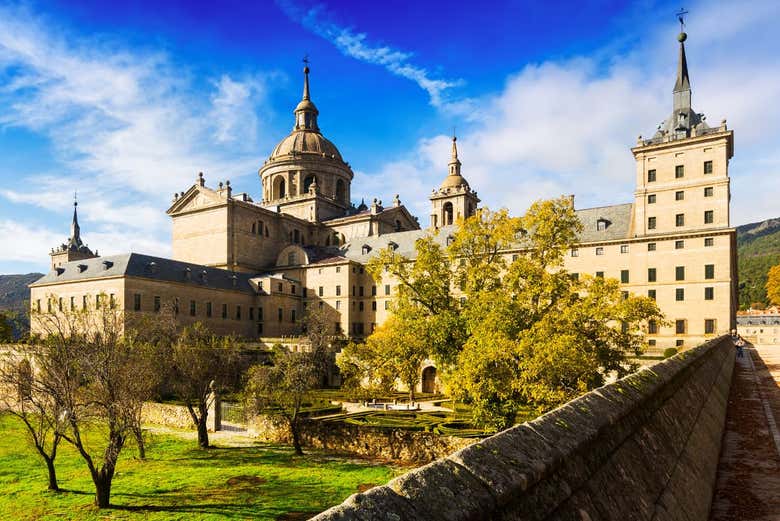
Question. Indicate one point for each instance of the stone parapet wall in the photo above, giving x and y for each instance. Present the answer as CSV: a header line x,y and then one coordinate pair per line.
x,y
171,415
643,448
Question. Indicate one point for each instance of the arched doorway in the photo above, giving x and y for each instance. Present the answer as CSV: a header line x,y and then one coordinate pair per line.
x,y
429,379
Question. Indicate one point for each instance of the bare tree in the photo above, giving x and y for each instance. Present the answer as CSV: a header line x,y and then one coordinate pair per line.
x,y
281,390
202,364
317,327
24,395
97,376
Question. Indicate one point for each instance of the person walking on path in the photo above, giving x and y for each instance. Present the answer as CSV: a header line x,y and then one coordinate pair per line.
x,y
740,345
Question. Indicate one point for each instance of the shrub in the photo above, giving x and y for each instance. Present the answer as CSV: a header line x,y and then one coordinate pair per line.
x,y
670,351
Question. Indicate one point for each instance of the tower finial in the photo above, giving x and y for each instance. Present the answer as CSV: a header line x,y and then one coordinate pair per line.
x,y
306,77
454,147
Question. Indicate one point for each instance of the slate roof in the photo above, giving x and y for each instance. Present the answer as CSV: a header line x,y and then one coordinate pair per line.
x,y
148,267
618,218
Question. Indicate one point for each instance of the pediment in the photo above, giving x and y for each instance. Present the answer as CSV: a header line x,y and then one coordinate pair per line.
x,y
194,199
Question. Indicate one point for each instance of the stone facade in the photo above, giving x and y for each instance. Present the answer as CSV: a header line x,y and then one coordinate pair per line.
x,y
304,244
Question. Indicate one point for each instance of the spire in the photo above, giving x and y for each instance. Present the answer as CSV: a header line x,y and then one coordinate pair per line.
x,y
75,230
682,87
454,162
306,112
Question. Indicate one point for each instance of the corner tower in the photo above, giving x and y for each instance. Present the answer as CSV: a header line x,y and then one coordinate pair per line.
x,y
305,175
682,181
454,199
73,249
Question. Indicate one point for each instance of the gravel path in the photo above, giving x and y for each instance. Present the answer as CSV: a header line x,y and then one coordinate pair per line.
x,y
748,481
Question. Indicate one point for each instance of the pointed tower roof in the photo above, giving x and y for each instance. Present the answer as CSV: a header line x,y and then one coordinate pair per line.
x,y
74,242
306,112
454,178
683,82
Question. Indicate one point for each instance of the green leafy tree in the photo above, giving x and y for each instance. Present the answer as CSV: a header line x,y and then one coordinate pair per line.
x,y
6,327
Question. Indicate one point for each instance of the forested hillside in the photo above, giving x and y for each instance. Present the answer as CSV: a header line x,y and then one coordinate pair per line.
x,y
14,296
758,247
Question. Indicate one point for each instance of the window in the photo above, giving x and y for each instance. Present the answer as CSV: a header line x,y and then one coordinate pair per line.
x,y
387,305
320,291
260,328
651,199
709,217
360,306
679,171
679,219
708,167
193,308
679,273
97,301
679,342
84,302
575,252
709,241
679,245
624,276
280,314
650,246
292,316
600,274
679,327
652,327
624,248
338,291
387,289
291,258
709,271
679,294
238,312
709,326
651,275
338,304
224,310
624,294
600,250
651,223
651,342
651,176
679,196
156,304
354,290
338,269
137,302
373,305
708,191
601,225
260,314
360,291
208,309
709,293
280,287
651,294
38,305
373,291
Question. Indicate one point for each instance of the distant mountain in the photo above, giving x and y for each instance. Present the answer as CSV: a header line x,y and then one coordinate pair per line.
x,y
15,295
758,248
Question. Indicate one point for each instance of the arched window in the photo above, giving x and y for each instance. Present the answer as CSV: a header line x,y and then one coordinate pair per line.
x,y
447,214
280,188
307,183
341,192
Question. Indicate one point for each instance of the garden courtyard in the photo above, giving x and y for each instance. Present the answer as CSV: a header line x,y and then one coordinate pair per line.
x,y
237,479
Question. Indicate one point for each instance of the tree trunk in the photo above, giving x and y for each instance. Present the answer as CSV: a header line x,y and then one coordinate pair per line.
x,y
296,438
139,440
52,475
103,490
203,433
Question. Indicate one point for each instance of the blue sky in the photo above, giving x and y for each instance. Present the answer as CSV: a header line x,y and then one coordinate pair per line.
x,y
127,104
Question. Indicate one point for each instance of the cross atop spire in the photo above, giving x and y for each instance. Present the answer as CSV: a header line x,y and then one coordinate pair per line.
x,y
306,112
306,77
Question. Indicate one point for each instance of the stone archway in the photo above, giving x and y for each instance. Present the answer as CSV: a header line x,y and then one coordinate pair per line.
x,y
429,379
279,188
447,214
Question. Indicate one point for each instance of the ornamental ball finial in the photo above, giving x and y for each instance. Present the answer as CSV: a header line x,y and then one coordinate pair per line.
x,y
682,37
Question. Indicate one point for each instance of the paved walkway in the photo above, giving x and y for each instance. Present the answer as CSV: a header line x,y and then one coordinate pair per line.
x,y
748,482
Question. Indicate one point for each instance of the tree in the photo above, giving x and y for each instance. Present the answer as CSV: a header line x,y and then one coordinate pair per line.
x,y
322,344
773,285
281,389
510,334
96,376
25,396
202,364
6,327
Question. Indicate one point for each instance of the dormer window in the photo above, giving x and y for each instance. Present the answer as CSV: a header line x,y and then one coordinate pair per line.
x,y
450,240
82,268
392,245
602,224
203,276
108,264
59,270
366,249
187,274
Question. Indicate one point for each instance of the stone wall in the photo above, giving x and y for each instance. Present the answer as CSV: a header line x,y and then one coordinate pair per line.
x,y
174,416
643,448
375,442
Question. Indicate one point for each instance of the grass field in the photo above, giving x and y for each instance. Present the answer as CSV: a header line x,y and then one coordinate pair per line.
x,y
179,481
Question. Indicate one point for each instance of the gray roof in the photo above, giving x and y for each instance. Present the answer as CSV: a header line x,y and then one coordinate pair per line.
x,y
148,267
618,219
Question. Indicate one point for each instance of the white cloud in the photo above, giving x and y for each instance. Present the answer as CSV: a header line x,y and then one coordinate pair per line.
x,y
128,128
566,126
357,45
27,242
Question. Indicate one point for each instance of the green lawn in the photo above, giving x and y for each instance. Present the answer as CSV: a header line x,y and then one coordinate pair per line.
x,y
179,481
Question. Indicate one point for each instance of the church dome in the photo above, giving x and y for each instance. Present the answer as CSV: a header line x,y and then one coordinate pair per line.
x,y
306,142
454,181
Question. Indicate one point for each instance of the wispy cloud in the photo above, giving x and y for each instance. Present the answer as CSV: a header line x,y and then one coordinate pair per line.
x,y
128,128
357,45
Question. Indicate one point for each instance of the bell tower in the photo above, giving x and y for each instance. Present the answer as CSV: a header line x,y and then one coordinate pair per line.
x,y
73,249
454,199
